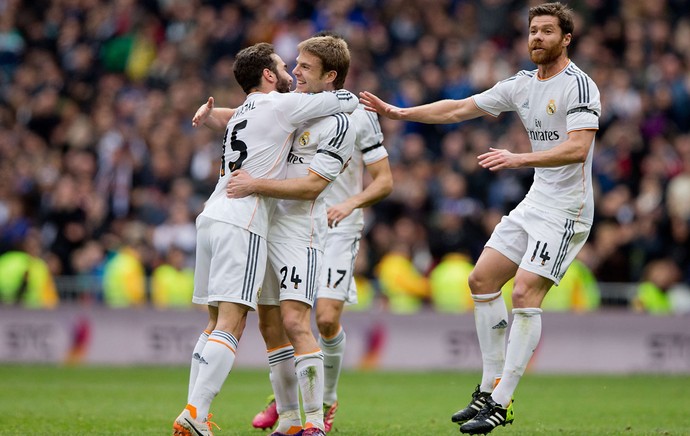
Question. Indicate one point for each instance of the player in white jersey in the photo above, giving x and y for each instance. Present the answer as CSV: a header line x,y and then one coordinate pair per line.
x,y
231,233
337,286
320,150
346,222
559,106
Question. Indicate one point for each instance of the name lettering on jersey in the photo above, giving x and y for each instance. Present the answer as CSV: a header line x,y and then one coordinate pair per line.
x,y
344,95
294,159
304,139
537,134
551,107
244,109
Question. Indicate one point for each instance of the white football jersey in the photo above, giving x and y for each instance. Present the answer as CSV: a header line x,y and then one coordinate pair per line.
x,y
369,149
320,146
549,109
257,139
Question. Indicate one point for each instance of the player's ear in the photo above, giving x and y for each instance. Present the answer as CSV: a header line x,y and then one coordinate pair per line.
x,y
269,75
331,75
566,39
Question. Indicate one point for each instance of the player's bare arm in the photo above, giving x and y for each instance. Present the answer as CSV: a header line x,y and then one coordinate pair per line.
x,y
573,150
379,188
215,118
438,112
309,187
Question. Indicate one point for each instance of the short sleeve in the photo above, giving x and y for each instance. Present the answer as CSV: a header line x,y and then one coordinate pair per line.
x,y
335,147
369,136
584,104
499,98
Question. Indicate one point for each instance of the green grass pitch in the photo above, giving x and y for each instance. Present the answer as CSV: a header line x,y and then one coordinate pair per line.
x,y
46,400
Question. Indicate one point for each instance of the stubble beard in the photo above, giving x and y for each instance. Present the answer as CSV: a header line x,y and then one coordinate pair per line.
x,y
547,56
282,85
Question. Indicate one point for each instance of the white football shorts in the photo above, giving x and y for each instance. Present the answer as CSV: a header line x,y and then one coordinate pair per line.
x,y
538,241
337,273
293,274
230,263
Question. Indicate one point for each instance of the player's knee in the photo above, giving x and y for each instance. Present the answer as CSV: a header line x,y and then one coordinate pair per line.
x,y
269,330
295,324
328,325
524,296
479,284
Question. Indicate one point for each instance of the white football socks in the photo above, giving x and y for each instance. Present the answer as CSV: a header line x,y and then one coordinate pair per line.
x,y
491,321
281,362
333,351
310,377
196,357
214,365
525,333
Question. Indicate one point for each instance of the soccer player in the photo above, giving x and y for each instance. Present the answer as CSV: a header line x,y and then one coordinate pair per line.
x,y
559,106
231,233
344,201
320,150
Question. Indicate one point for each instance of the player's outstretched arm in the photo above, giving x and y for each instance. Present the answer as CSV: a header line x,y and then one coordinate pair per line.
x,y
215,118
309,187
379,188
438,112
574,150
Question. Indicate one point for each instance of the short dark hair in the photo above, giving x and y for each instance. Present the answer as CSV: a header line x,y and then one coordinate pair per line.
x,y
250,64
555,9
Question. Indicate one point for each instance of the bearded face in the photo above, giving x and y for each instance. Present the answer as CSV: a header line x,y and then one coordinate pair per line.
x,y
546,42
283,77
542,54
283,85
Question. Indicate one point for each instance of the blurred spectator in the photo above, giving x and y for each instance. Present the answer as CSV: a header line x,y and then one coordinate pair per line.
x,y
14,224
124,276
25,279
172,283
652,294
404,286
96,99
450,291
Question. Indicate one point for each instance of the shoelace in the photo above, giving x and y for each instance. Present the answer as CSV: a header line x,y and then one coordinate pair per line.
x,y
329,413
210,423
485,413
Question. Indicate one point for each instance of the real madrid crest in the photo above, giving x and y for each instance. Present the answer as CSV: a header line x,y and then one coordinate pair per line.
x,y
551,107
304,139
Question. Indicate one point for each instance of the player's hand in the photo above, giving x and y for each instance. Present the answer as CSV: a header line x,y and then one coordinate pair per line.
x,y
337,213
497,159
202,113
374,104
240,185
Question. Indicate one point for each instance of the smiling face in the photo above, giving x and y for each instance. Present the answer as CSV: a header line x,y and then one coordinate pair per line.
x,y
309,74
546,42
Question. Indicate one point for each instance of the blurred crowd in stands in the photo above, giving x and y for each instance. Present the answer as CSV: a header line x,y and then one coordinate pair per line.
x,y
102,174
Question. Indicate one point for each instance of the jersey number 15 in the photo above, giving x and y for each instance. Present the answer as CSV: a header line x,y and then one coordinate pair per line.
x,y
235,145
